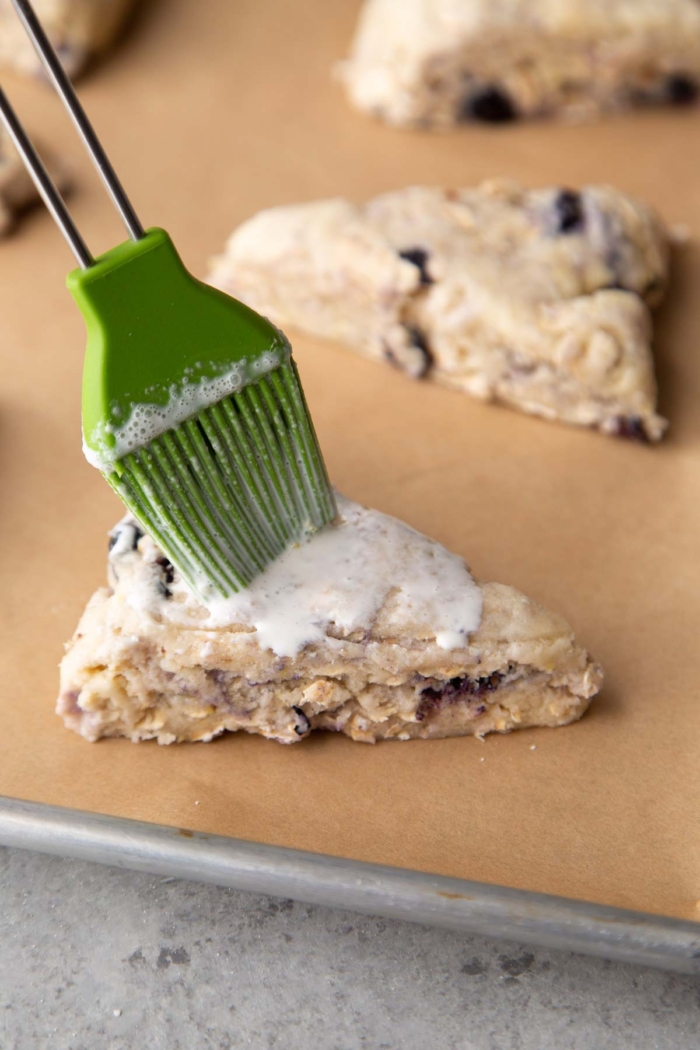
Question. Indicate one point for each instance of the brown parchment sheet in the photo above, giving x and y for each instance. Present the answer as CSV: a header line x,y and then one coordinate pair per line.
x,y
213,110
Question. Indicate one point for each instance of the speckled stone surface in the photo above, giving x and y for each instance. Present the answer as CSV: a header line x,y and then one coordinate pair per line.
x,y
94,957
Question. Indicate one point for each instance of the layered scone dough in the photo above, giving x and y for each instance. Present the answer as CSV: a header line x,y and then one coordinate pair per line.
x,y
17,190
535,298
78,29
439,62
369,629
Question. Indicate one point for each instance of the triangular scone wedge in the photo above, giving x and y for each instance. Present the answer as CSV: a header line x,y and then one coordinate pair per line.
x,y
369,629
78,29
538,299
436,63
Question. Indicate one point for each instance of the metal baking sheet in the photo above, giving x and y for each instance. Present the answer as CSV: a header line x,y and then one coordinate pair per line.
x,y
372,889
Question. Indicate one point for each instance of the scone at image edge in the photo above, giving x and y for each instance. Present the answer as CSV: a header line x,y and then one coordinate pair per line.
x,y
537,299
370,629
78,29
437,63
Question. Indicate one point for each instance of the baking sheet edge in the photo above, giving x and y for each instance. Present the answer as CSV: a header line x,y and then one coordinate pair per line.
x,y
373,889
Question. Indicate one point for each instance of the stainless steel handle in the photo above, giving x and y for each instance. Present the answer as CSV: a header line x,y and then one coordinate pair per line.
x,y
47,188
61,81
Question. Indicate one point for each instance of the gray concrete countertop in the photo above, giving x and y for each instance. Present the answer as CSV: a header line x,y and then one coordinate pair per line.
x,y
94,958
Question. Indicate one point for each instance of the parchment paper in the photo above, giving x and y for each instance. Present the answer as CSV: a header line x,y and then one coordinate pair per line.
x,y
211,111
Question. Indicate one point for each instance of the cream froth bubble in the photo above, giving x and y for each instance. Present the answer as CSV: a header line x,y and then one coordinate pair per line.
x,y
148,420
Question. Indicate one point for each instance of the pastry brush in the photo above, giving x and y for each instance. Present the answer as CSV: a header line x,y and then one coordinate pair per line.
x,y
192,406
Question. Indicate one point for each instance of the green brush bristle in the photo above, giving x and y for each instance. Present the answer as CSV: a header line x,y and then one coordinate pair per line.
x,y
228,490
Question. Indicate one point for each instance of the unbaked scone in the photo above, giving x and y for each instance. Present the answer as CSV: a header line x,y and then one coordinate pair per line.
x,y
78,29
425,63
535,298
369,629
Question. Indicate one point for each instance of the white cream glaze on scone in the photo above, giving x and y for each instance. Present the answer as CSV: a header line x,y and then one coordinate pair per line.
x,y
436,63
538,299
373,658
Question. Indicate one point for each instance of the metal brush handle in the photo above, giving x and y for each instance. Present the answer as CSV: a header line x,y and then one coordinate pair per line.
x,y
47,188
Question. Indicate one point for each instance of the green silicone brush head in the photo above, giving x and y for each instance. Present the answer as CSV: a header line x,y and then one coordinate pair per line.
x,y
194,413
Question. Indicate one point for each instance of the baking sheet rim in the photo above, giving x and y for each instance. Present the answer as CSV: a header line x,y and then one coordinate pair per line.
x,y
317,878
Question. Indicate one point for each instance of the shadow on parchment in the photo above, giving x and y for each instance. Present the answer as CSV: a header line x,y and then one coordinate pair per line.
x,y
675,346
